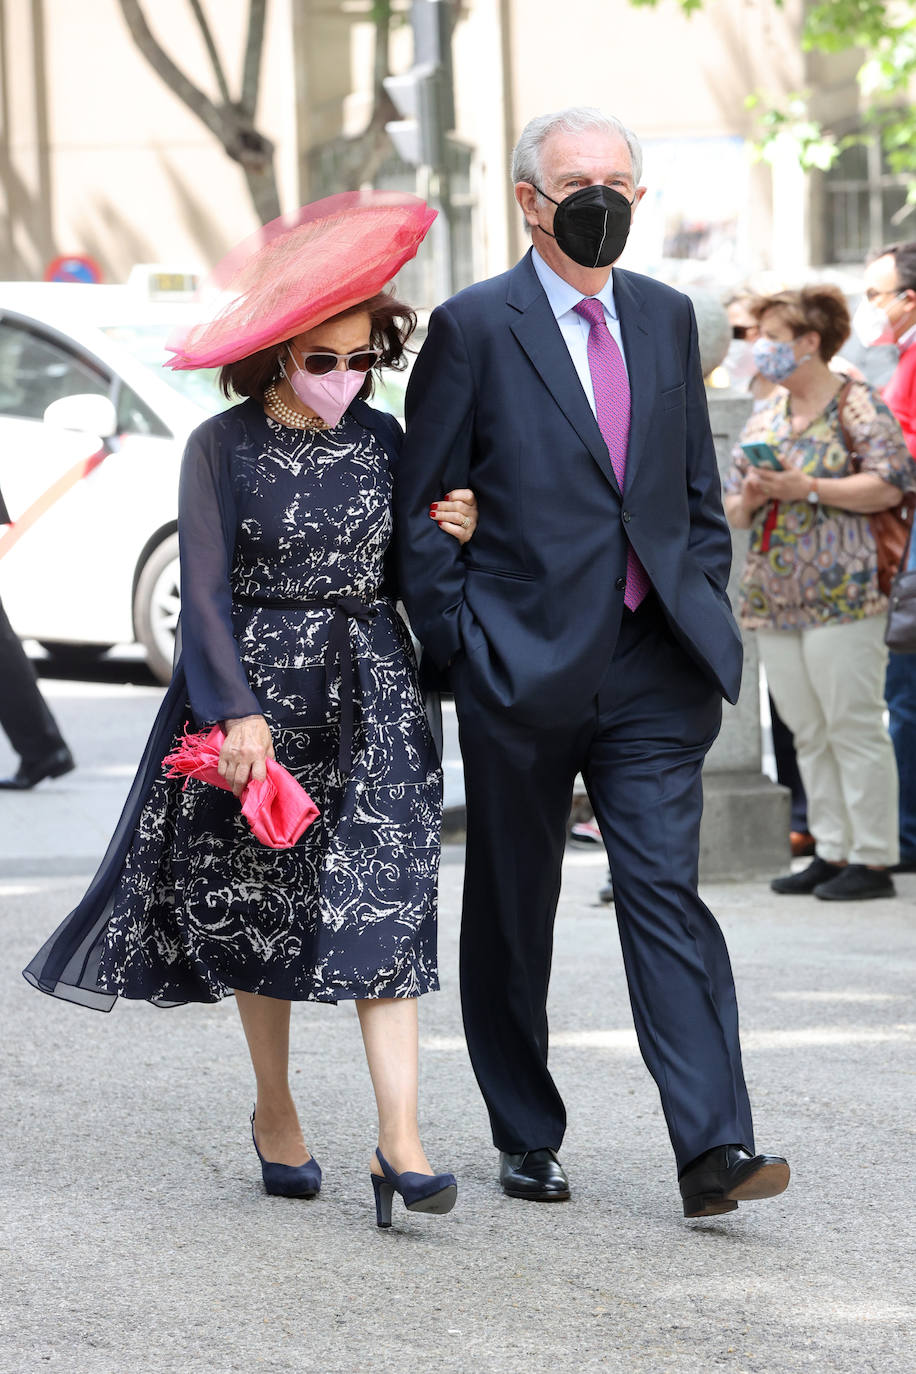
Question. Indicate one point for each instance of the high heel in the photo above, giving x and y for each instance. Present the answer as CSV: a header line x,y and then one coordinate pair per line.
x,y
421,1192
288,1180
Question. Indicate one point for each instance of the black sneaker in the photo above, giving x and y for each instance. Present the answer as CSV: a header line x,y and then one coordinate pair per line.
x,y
819,871
856,883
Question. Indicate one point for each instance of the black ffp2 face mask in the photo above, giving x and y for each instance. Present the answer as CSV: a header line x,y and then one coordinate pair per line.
x,y
591,226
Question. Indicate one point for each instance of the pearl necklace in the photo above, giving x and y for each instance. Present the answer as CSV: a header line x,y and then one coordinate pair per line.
x,y
288,416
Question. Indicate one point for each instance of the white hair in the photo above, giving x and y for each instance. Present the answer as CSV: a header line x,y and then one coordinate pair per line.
x,y
526,155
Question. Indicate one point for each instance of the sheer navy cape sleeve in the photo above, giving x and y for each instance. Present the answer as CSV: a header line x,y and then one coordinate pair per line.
x,y
217,687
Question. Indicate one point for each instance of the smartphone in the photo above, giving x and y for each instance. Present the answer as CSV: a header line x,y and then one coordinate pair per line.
x,y
762,456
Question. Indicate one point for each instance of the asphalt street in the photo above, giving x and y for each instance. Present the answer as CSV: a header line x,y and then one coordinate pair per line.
x,y
135,1235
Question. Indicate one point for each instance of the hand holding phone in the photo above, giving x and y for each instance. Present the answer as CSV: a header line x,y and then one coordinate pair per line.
x,y
760,455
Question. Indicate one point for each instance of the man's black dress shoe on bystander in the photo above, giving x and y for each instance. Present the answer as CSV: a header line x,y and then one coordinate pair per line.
x,y
536,1174
818,871
727,1175
29,774
856,883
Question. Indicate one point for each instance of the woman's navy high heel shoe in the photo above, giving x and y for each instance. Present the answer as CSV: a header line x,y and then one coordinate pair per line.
x,y
288,1180
421,1192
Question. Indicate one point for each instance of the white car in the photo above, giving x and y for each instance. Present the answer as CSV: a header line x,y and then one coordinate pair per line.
x,y
99,566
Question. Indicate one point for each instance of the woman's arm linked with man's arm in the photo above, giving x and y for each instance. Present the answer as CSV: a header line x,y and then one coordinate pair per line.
x,y
435,458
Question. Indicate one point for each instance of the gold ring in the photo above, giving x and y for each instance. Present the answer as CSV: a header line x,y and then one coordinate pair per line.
x,y
466,522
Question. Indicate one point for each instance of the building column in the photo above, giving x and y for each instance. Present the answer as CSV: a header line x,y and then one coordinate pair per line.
x,y
745,827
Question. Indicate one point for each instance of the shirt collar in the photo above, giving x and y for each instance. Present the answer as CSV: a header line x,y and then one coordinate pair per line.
x,y
562,297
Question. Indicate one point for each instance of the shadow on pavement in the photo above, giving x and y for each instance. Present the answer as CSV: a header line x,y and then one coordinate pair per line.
x,y
107,669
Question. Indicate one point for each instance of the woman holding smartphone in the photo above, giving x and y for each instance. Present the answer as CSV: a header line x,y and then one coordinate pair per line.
x,y
810,583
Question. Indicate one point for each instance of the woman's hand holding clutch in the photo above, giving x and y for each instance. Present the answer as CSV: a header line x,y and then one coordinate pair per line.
x,y
245,753
456,514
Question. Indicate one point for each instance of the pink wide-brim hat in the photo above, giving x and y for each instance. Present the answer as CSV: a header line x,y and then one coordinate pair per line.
x,y
299,270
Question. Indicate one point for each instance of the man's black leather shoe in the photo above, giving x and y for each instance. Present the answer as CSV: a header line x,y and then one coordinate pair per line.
x,y
727,1175
537,1175
29,774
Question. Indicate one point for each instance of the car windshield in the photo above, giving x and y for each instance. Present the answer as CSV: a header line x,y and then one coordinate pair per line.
x,y
146,342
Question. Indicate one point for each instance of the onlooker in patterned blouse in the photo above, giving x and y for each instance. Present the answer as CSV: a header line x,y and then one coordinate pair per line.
x,y
810,584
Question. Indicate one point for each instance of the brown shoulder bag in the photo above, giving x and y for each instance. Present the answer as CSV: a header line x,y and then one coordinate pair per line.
x,y
891,528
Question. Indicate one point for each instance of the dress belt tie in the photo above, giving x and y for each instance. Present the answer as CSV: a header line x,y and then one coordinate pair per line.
x,y
338,652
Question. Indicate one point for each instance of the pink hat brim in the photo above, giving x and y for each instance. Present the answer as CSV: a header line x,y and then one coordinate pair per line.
x,y
299,270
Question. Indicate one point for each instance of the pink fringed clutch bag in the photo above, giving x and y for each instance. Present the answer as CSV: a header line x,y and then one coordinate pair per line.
x,y
277,808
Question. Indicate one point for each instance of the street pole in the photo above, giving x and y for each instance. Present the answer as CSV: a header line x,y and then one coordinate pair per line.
x,y
424,96
432,22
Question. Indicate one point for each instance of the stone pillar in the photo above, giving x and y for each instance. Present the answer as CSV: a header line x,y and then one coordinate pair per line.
x,y
745,827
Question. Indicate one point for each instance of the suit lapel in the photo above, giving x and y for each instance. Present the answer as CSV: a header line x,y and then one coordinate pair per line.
x,y
640,357
539,334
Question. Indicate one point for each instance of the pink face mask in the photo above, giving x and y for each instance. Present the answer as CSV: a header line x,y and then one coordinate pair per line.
x,y
330,395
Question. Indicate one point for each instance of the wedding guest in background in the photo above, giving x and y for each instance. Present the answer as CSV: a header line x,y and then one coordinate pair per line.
x,y
810,584
888,314
24,714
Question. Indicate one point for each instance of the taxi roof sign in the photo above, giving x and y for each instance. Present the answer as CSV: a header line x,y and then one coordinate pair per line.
x,y
157,281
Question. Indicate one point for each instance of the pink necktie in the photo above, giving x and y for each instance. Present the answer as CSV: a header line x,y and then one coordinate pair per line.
x,y
612,404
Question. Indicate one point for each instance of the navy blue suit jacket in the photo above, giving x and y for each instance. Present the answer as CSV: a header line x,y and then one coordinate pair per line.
x,y
535,600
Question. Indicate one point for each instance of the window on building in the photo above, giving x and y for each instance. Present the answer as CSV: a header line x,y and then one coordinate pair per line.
x,y
864,205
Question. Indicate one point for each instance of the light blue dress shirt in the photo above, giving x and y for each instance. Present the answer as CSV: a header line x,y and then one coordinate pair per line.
x,y
563,299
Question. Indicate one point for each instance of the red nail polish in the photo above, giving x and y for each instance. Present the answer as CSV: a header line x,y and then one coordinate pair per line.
x,y
434,506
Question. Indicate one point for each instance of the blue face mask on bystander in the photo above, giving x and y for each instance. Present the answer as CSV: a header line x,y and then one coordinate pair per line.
x,y
775,358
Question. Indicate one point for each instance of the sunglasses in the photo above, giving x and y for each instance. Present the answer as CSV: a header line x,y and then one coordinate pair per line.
x,y
320,364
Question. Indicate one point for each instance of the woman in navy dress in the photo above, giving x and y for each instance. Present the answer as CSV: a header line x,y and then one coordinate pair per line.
x,y
291,640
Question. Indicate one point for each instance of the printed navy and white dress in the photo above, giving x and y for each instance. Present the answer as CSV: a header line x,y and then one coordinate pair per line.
x,y
291,619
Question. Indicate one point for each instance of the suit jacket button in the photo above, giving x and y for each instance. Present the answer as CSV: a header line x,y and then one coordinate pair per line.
x,y
626,517
621,584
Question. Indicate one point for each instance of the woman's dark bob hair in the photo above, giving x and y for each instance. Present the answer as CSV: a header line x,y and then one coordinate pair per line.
x,y
818,310
393,322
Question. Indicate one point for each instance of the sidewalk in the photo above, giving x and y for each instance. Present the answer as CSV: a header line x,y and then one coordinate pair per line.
x,y
135,1235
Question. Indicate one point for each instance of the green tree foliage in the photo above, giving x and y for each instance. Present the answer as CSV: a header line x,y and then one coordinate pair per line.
x,y
885,33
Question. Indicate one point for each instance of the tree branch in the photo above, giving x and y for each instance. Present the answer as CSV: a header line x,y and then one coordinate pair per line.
x,y
209,44
251,71
196,100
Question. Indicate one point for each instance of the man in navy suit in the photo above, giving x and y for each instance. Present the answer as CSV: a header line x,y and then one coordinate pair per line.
x,y
586,628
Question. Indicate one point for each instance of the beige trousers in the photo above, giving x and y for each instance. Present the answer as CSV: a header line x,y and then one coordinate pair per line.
x,y
828,685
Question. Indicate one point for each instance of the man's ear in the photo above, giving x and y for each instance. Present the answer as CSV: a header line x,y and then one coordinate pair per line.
x,y
527,196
